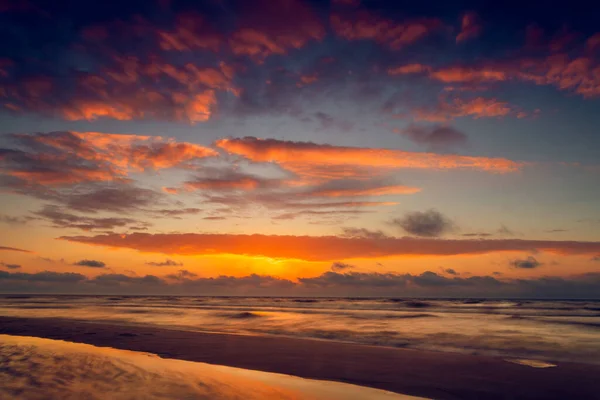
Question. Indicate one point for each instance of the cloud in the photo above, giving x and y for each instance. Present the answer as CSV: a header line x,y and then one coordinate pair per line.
x,y
224,180
182,275
302,155
5,248
477,234
45,276
527,263
364,25
339,266
450,271
323,248
120,280
430,223
10,266
363,233
435,137
61,219
350,283
470,27
268,28
115,198
66,158
166,263
90,263
596,258
10,220
479,107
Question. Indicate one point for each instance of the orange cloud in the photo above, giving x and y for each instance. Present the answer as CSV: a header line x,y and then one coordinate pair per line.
x,y
364,25
478,107
191,32
322,248
470,27
291,154
269,28
458,74
375,191
409,69
58,158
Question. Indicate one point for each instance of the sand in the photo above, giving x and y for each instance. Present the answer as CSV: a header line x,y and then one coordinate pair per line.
x,y
417,373
35,368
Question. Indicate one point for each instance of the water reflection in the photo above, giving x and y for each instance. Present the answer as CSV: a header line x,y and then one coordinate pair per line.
x,y
555,330
34,368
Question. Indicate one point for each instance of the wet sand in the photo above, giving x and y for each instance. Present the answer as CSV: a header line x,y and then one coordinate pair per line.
x,y
418,373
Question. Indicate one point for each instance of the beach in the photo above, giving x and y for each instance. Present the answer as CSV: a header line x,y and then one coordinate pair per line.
x,y
34,368
417,373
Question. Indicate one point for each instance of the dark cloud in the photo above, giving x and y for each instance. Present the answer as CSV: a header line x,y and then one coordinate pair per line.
x,y
14,249
430,223
434,137
166,263
450,271
45,276
61,219
119,198
10,266
176,213
120,280
90,263
340,266
363,233
527,263
182,275
596,258
557,230
477,234
7,219
329,283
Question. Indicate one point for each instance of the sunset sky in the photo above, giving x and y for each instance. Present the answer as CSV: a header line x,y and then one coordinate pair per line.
x,y
293,147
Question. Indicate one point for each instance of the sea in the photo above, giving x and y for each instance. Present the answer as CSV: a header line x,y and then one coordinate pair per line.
x,y
553,330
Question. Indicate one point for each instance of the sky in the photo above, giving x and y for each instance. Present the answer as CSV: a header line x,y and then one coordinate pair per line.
x,y
330,148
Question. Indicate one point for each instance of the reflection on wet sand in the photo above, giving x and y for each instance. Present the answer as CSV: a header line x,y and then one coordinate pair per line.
x,y
33,368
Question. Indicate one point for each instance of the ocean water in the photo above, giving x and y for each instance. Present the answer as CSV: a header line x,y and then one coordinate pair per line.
x,y
565,330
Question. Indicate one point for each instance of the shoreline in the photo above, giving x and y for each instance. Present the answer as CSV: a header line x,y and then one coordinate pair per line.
x,y
412,372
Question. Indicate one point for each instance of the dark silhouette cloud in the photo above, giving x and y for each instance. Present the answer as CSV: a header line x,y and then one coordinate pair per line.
x,y
6,248
10,266
527,263
363,233
434,137
118,280
596,258
45,276
450,271
182,275
90,263
340,266
62,219
430,223
477,234
116,198
352,283
167,263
